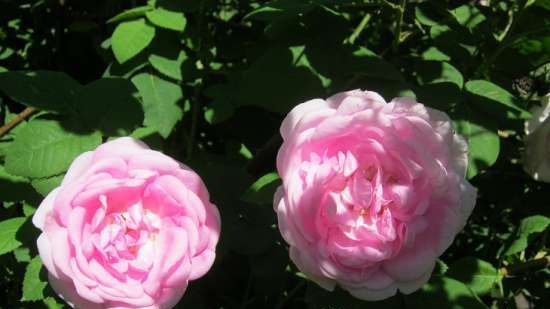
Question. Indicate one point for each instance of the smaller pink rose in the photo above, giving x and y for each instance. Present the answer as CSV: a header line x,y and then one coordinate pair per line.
x,y
127,228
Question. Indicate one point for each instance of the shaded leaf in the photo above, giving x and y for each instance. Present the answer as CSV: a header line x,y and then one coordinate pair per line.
x,y
45,90
110,105
480,276
14,188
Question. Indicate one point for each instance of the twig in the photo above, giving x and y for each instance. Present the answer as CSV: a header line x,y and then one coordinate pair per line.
x,y
20,117
525,266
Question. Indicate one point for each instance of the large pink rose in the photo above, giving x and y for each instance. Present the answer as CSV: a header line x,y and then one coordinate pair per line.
x,y
128,228
372,193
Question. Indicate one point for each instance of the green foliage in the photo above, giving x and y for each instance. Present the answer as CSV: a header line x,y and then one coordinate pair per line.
x,y
167,19
33,287
208,82
46,90
8,230
44,148
160,102
130,38
444,292
480,276
528,226
261,191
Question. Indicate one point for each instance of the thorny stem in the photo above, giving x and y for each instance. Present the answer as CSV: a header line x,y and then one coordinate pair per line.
x,y
194,120
535,264
195,104
359,28
291,294
506,38
20,117
245,300
397,31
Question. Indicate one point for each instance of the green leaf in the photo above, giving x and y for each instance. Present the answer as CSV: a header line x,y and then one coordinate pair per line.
x,y
45,90
110,105
261,191
46,185
483,145
33,287
131,14
51,303
433,53
441,268
480,276
44,148
167,19
545,4
167,66
280,9
28,210
218,112
528,226
22,254
468,16
432,72
428,14
160,102
495,94
8,231
130,38
444,292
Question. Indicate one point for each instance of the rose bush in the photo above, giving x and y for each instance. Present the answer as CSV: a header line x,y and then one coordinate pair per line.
x,y
372,193
127,228
537,142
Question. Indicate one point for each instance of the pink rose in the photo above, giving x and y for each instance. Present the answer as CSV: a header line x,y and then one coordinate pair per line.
x,y
127,228
372,193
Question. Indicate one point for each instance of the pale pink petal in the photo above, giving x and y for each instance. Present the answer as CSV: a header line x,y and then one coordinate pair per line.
x,y
39,217
296,114
78,167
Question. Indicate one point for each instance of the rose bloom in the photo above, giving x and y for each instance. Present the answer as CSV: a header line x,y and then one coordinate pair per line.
x,y
372,193
127,228
537,142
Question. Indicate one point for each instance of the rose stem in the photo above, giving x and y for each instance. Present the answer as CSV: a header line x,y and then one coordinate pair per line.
x,y
20,117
